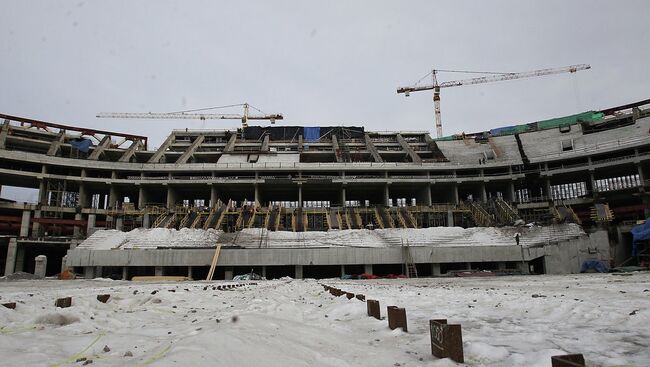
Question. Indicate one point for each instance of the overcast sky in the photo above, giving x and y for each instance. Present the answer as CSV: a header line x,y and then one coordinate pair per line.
x,y
317,62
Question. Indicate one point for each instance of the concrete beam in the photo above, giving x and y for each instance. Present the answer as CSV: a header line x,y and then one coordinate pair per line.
x,y
415,158
230,146
371,148
4,131
163,148
56,144
265,143
190,150
99,149
336,148
126,157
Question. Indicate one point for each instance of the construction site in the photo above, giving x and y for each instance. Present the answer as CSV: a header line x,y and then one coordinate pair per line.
x,y
327,201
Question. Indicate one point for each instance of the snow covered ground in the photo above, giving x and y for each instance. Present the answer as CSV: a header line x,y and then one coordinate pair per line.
x,y
506,321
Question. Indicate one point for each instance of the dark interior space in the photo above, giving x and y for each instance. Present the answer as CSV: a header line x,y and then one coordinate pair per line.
x,y
321,271
277,272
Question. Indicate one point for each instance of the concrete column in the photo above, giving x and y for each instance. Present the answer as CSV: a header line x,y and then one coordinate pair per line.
x,y
190,271
89,272
125,273
12,249
99,271
450,218
343,196
547,186
76,231
42,191
342,270
641,175
257,194
455,193
427,195
64,263
83,196
298,272
511,191
386,195
171,198
119,223
367,268
214,196
90,226
24,223
146,221
483,193
263,271
228,274
468,266
36,227
435,269
591,185
142,197
40,265
299,195
113,197
158,271
20,259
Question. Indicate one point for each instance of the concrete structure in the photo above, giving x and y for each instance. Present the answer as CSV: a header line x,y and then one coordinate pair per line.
x,y
319,179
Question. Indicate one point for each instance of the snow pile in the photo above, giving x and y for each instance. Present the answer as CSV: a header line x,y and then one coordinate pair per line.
x,y
506,322
151,238
261,238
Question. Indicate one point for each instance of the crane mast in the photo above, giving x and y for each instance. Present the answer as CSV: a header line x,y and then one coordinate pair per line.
x,y
494,77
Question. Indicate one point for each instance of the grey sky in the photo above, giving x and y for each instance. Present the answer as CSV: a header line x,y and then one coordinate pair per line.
x,y
317,62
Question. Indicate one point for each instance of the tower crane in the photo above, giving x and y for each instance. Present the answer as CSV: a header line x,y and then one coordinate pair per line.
x,y
197,114
493,77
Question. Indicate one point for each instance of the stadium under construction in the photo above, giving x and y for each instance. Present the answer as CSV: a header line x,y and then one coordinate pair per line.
x,y
327,201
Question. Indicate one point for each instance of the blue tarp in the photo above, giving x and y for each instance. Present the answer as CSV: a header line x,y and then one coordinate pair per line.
x,y
311,133
596,265
640,232
81,144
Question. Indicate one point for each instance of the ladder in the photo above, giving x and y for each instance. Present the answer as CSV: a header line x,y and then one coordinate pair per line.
x,y
411,270
215,258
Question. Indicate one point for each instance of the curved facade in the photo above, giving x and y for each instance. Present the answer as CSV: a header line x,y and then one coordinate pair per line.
x,y
321,178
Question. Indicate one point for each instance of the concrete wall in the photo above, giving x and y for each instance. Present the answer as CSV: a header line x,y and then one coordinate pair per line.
x,y
567,257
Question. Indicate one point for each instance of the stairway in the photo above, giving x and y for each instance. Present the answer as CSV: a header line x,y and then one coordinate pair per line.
x,y
505,214
481,217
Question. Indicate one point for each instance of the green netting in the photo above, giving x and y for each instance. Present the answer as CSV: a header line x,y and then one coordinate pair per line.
x,y
570,120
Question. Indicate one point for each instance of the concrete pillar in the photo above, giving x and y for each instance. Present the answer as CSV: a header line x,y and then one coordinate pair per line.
x,y
299,195
119,223
367,268
641,175
298,272
89,272
468,266
343,196
99,271
450,218
158,271
342,270
36,227
455,193
511,192
64,263
214,196
547,186
113,197
591,185
386,195
20,259
171,198
229,273
483,193
263,271
190,271
12,249
435,269
257,194
40,265
83,196
428,201
125,273
142,197
42,191
90,225
24,223
146,221
76,231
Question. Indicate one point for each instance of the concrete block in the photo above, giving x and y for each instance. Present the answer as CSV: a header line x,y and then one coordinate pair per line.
x,y
40,266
